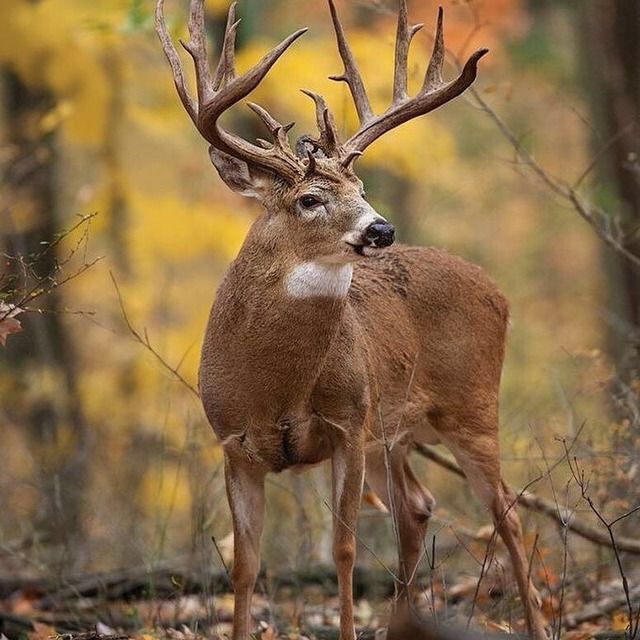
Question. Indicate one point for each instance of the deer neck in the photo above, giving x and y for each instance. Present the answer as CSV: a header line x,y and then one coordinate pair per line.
x,y
271,262
311,279
274,320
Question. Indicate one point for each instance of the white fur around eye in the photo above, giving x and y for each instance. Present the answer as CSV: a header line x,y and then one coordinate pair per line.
x,y
317,280
313,213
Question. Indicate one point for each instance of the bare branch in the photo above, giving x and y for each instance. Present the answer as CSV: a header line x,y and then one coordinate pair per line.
x,y
597,219
579,477
146,343
541,505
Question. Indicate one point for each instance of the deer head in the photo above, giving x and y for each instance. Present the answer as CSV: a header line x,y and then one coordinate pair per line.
x,y
311,192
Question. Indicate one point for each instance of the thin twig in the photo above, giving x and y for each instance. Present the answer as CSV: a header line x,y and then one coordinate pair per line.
x,y
146,343
579,477
375,556
597,219
546,507
222,560
601,151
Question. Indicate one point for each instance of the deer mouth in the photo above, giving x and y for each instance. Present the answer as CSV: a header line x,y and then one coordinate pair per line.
x,y
365,249
375,236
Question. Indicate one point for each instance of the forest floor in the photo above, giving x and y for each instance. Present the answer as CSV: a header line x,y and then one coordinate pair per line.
x,y
170,604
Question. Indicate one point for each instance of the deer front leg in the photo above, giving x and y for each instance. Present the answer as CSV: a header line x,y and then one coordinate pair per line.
x,y
245,492
348,476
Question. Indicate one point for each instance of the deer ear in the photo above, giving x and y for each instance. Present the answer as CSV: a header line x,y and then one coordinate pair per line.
x,y
240,176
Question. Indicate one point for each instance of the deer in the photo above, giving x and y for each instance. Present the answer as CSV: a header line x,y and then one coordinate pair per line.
x,y
328,341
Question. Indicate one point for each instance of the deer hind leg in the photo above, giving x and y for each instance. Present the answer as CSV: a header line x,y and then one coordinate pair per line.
x,y
412,505
245,492
478,455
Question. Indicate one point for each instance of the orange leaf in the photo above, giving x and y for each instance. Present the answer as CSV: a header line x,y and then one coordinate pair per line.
x,y
267,632
619,621
369,497
42,631
8,322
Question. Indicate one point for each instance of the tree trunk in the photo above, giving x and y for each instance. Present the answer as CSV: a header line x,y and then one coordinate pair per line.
x,y
54,424
613,83
610,30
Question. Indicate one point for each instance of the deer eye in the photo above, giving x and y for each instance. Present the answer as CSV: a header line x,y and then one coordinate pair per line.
x,y
309,202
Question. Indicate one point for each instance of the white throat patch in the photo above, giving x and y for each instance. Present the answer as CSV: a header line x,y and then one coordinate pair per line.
x,y
317,280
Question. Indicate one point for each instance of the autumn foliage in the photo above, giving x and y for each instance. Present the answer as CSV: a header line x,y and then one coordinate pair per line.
x,y
106,460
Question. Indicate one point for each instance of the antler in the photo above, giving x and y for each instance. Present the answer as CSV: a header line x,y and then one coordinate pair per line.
x,y
215,96
329,140
434,93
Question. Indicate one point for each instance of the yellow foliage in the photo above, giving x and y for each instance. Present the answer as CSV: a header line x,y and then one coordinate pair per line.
x,y
165,492
164,227
217,6
168,227
61,47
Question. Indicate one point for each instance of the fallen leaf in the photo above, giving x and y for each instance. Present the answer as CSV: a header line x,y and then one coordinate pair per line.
x,y
42,631
267,632
619,621
369,497
498,626
485,533
9,324
104,630
550,607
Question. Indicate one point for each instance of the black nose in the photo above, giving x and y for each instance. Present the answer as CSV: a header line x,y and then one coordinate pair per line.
x,y
380,234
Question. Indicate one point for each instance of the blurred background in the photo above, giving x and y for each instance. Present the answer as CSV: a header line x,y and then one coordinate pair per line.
x,y
113,223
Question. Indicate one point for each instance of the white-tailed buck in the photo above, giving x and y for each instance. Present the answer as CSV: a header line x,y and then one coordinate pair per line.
x,y
327,343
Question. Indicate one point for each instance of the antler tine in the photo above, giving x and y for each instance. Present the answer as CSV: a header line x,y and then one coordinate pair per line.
x,y
277,130
242,86
174,61
197,49
269,121
329,139
277,159
404,36
226,69
351,74
433,77
350,158
311,162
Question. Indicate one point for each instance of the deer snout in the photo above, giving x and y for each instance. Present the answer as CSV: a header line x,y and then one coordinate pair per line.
x,y
380,234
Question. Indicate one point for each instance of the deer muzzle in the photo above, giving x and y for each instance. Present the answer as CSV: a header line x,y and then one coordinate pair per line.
x,y
380,234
